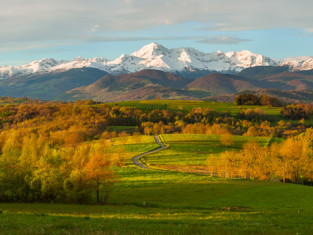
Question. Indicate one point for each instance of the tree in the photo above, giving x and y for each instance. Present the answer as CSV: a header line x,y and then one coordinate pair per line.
x,y
227,140
294,112
229,163
47,178
12,182
74,138
294,157
247,99
249,154
99,175
252,131
270,101
212,164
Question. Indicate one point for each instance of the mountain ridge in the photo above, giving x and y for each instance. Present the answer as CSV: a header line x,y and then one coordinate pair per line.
x,y
91,83
155,56
150,84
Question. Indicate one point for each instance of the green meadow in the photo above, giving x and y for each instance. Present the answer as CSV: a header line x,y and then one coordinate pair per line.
x,y
194,149
186,106
172,201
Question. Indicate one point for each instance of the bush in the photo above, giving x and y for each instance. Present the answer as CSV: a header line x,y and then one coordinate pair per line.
x,y
294,112
247,99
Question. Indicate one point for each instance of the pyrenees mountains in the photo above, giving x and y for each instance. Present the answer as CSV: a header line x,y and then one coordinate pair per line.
x,y
184,61
155,71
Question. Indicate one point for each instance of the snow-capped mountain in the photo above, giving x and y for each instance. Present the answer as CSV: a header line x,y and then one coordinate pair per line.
x,y
299,63
43,65
155,56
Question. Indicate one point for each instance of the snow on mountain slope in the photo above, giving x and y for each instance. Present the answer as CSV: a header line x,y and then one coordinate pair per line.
x,y
81,62
43,65
247,59
158,57
155,56
124,64
299,63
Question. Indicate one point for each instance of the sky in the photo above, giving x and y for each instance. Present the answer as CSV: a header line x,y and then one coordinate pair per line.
x,y
65,29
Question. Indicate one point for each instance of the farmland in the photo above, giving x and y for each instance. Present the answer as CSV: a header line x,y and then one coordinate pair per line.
x,y
194,149
273,113
186,106
158,201
67,168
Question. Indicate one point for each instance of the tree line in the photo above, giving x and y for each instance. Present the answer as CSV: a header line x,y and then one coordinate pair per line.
x,y
69,124
251,99
288,111
291,160
32,170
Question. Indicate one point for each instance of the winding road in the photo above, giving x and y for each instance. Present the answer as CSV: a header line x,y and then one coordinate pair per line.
x,y
136,158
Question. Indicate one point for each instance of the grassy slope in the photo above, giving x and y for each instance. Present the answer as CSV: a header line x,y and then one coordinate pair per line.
x,y
186,106
186,149
134,146
169,202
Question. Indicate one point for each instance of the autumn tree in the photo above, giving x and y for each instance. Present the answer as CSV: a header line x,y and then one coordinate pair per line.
x,y
227,140
12,182
247,99
99,175
74,138
270,101
294,112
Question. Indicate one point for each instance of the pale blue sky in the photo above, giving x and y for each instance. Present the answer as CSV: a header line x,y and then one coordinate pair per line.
x,y
36,29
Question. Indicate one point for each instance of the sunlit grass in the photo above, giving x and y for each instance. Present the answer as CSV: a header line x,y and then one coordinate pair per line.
x,y
172,202
134,145
187,105
192,149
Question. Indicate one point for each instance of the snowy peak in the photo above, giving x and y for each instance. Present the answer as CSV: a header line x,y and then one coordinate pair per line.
x,y
41,65
299,63
36,66
156,56
151,50
246,59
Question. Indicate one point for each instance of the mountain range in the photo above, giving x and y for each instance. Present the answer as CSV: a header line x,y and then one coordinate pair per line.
x,y
155,71
187,62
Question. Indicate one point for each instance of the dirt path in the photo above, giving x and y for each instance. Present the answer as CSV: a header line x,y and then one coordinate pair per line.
x,y
136,159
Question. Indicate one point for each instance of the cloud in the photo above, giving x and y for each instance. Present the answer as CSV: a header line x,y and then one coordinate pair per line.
x,y
131,38
222,40
94,28
35,45
73,20
309,30
12,46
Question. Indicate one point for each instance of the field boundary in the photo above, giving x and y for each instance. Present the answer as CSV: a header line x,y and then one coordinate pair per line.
x,y
137,159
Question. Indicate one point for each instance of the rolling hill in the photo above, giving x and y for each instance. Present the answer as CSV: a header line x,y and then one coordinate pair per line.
x,y
47,86
92,83
146,84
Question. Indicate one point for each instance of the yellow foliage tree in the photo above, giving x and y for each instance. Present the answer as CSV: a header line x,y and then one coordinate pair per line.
x,y
100,176
227,140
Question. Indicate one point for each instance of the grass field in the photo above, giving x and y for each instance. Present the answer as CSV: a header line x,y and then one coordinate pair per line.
x,y
119,129
159,201
134,146
189,152
186,106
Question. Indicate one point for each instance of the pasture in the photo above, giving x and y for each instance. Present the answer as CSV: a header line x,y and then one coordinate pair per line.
x,y
159,201
186,106
191,150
